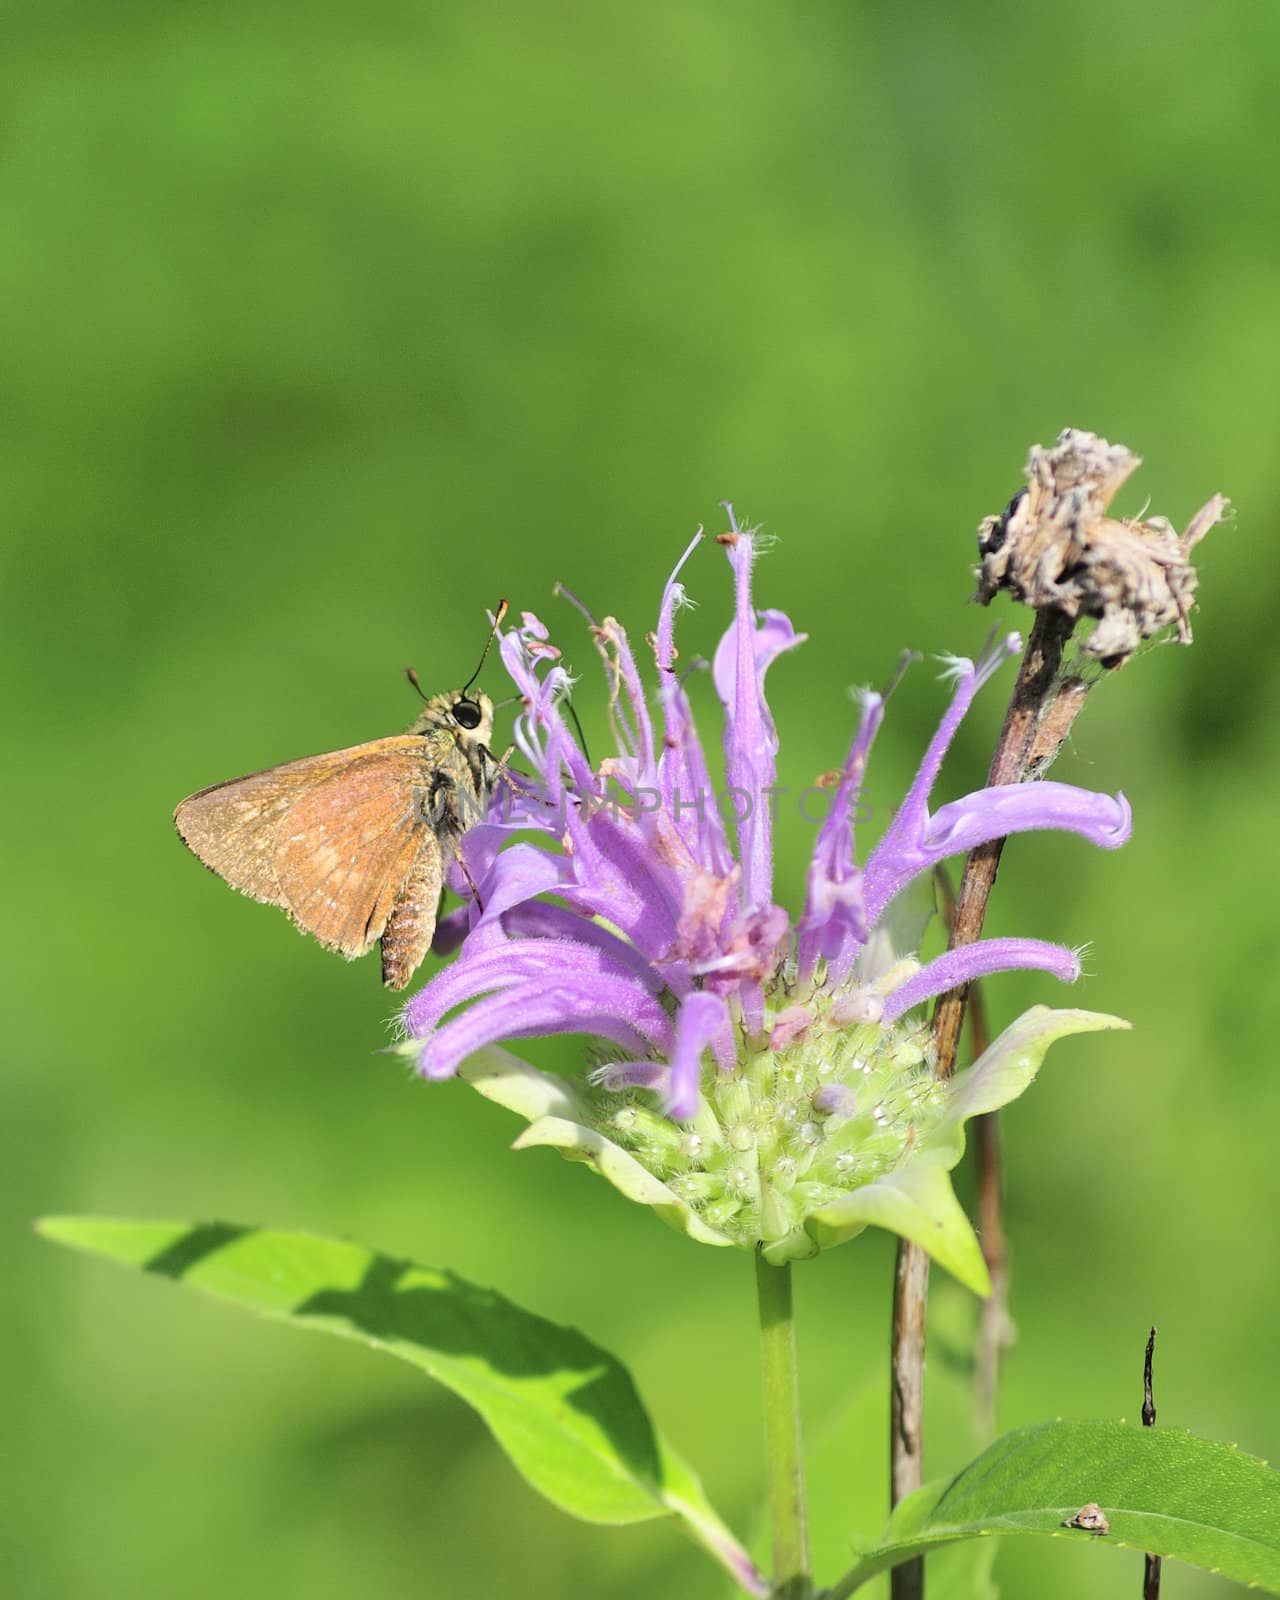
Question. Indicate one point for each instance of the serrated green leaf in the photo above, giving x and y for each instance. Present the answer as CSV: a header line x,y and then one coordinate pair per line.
x,y
1161,1489
565,1411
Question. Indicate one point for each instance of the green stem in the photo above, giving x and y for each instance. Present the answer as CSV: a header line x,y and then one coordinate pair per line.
x,y
792,1579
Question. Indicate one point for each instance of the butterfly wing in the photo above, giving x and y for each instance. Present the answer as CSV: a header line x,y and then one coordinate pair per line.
x,y
331,839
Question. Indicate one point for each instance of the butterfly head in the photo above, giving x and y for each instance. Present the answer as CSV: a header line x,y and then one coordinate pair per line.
x,y
464,715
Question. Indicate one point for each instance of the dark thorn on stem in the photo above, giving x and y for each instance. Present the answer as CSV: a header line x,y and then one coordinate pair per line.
x,y
1152,1564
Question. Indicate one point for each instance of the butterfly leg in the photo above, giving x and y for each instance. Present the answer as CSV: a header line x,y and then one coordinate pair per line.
x,y
471,882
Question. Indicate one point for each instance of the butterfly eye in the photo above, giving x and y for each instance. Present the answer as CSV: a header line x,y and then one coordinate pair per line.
x,y
466,713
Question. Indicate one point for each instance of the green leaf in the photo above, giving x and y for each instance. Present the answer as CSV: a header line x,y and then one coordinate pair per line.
x,y
1162,1490
566,1412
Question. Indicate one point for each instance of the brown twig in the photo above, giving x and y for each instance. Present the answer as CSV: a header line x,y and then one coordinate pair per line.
x,y
1055,549
995,1330
1033,695
1152,1565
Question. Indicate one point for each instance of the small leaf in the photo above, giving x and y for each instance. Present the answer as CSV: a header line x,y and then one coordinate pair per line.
x,y
566,1412
1161,1489
578,1143
916,1201
1009,1064
508,1081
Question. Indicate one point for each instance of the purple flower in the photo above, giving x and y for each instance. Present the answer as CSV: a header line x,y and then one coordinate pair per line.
x,y
757,1081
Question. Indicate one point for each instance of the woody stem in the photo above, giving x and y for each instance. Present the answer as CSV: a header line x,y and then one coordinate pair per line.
x,y
1017,751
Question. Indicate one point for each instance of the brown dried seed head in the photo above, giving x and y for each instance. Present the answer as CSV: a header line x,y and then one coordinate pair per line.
x,y
1054,548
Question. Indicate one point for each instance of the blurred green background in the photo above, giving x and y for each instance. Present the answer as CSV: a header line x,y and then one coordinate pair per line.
x,y
324,326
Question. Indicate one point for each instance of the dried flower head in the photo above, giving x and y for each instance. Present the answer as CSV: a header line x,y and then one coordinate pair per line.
x,y
758,1080
1054,548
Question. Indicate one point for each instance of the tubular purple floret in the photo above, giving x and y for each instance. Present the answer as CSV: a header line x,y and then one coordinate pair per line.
x,y
611,1008
673,596
834,924
980,960
703,1019
743,657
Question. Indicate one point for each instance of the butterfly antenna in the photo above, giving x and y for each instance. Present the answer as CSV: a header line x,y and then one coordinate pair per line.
x,y
493,633
413,679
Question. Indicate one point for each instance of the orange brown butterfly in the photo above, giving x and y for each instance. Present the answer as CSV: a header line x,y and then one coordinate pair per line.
x,y
354,846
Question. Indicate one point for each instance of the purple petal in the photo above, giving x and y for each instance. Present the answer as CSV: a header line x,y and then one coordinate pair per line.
x,y
540,734
511,962
980,960
639,728
1019,807
685,786
615,1076
995,813
684,783
750,739
672,596
538,919
699,1021
911,817
520,873
604,1007
620,877
834,923
451,931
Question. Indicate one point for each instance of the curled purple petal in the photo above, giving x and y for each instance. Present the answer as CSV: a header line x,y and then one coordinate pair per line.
x,y
909,821
520,873
750,739
618,875
834,922
672,598
1019,807
1103,819
619,1075
603,1007
701,1019
687,794
538,919
639,725
980,960
516,961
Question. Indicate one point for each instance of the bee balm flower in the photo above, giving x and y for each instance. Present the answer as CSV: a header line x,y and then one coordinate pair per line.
x,y
759,1082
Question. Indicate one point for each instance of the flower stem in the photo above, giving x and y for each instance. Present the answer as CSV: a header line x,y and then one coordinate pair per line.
x,y
792,1578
